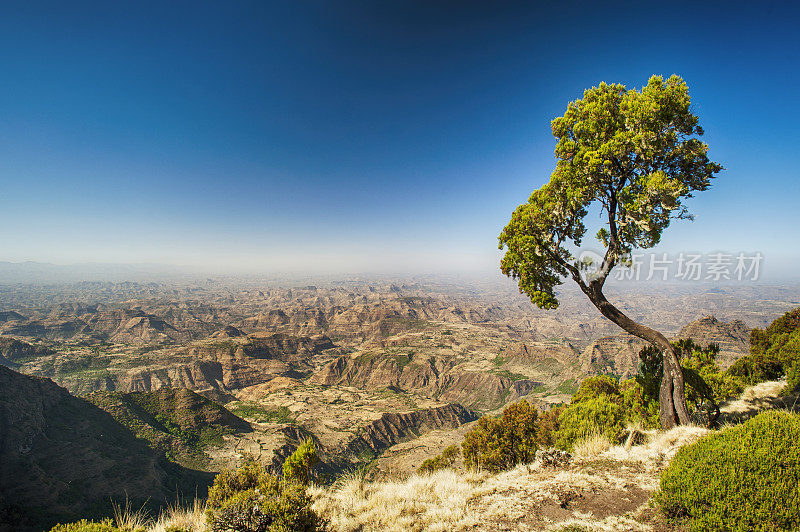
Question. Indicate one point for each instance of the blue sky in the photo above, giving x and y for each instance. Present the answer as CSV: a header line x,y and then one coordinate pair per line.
x,y
363,136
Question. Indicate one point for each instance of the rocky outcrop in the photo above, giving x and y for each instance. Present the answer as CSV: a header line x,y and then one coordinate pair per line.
x,y
145,330
266,320
392,428
48,328
200,376
258,358
130,327
476,389
733,338
380,370
430,375
612,355
213,367
10,315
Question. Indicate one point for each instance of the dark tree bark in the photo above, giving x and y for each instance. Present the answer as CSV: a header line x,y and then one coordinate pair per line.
x,y
672,397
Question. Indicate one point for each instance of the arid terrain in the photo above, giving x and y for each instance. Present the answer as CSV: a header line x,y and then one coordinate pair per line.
x,y
378,372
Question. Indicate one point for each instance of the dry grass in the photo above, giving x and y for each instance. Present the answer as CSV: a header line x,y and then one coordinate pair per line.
x,y
436,502
591,446
528,497
191,518
755,398
660,448
127,518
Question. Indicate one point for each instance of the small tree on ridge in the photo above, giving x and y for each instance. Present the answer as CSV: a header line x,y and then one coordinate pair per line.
x,y
636,155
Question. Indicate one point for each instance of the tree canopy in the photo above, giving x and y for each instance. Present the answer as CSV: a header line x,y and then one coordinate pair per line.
x,y
635,154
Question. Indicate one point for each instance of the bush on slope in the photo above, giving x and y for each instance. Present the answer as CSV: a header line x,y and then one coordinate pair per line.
x,y
745,477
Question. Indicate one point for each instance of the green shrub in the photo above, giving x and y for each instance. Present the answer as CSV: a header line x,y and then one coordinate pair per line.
x,y
274,507
547,427
745,477
88,526
778,342
251,500
792,379
297,468
773,350
496,444
593,387
446,459
590,417
755,368
639,406
250,475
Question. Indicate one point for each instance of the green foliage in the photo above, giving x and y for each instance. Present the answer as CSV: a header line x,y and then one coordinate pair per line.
x,y
495,444
639,406
598,415
745,477
636,404
593,387
705,381
277,507
547,427
88,526
297,468
792,379
774,351
446,459
779,341
249,475
633,154
755,368
251,500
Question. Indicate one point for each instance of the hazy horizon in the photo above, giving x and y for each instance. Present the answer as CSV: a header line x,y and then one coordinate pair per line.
x,y
362,137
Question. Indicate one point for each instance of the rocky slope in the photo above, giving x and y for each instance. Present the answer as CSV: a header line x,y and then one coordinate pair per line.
x,y
733,338
13,351
393,428
61,456
176,421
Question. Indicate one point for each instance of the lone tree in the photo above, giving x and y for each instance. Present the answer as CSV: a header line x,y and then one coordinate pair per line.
x,y
636,156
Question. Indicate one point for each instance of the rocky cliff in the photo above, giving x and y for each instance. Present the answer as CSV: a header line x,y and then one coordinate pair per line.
x,y
733,338
393,428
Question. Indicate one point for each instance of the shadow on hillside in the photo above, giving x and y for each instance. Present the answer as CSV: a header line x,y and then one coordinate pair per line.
x,y
63,459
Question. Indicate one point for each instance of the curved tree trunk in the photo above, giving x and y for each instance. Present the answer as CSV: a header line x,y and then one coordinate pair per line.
x,y
672,396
